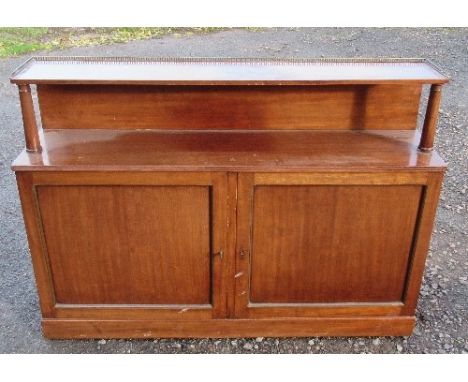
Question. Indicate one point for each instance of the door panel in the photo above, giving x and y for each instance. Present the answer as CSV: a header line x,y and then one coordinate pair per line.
x,y
132,245
128,244
331,243
318,244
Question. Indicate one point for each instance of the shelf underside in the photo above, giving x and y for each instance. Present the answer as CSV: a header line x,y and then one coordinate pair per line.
x,y
259,151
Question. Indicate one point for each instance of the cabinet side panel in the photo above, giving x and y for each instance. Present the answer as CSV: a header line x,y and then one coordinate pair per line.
x,y
128,244
331,244
344,107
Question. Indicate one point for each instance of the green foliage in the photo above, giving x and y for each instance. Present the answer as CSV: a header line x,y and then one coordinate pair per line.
x,y
17,41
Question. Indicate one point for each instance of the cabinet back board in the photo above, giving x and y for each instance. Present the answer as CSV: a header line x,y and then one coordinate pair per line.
x,y
342,107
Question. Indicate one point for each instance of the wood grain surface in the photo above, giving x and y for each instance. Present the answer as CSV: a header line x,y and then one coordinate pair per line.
x,y
128,244
349,326
235,107
277,151
331,243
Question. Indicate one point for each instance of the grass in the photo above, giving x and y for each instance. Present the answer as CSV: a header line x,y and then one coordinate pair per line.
x,y
17,41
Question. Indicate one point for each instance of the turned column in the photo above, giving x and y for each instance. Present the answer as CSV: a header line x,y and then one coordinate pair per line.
x,y
31,133
430,120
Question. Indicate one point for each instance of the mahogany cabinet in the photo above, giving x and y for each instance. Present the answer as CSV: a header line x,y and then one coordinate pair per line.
x,y
228,197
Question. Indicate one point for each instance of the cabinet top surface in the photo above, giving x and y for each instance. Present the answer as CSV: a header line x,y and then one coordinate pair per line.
x,y
225,71
273,151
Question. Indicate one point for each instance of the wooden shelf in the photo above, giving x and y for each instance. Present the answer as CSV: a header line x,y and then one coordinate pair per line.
x,y
273,151
225,71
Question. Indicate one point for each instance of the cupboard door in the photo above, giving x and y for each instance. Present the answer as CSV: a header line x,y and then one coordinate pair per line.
x,y
312,244
123,245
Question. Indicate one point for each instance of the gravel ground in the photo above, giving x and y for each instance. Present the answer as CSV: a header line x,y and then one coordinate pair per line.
x,y
442,324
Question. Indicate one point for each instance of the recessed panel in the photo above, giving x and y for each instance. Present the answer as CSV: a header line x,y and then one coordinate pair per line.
x,y
127,244
331,244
